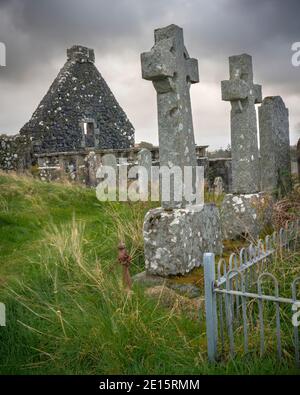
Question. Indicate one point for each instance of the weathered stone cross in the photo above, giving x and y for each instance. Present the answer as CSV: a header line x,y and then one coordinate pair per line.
x,y
172,71
243,95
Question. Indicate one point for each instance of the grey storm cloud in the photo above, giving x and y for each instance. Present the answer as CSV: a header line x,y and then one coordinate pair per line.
x,y
38,32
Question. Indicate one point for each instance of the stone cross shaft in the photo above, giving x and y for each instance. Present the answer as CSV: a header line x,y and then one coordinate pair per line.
x,y
172,72
243,95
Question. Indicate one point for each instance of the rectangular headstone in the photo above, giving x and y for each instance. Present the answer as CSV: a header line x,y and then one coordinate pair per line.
x,y
243,95
275,146
144,159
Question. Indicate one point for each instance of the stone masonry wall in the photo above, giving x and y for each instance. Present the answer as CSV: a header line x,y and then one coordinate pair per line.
x,y
15,153
76,165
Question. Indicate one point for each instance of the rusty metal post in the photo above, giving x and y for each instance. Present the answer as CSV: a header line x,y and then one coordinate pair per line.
x,y
125,260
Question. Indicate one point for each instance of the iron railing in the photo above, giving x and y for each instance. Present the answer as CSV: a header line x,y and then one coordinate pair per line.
x,y
242,280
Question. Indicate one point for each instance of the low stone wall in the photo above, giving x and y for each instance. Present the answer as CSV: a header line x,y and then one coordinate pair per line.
x,y
81,166
15,153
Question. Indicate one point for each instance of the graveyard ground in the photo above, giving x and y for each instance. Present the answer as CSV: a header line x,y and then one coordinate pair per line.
x,y
66,310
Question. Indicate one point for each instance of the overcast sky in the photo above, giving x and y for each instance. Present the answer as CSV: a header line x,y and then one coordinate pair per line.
x,y
38,32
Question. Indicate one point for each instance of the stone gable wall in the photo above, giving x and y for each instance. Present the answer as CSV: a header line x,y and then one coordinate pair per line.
x,y
79,95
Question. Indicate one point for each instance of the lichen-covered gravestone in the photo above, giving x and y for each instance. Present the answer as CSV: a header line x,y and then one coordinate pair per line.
x,y
275,146
177,234
218,186
144,162
144,159
92,162
110,160
246,211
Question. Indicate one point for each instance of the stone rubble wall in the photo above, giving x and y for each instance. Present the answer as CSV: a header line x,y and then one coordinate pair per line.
x,y
76,166
15,153
81,166
176,240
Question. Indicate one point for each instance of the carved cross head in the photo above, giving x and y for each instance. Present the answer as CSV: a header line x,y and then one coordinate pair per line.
x,y
241,86
168,63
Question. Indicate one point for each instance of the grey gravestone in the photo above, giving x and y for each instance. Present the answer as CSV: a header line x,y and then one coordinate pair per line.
x,y
111,161
245,215
172,72
176,236
144,159
243,95
218,186
275,146
93,163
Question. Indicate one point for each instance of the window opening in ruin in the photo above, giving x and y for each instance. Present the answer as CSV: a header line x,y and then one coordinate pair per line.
x,y
88,128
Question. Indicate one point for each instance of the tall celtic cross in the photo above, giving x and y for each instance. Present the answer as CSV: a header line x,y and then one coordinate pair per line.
x,y
243,95
172,72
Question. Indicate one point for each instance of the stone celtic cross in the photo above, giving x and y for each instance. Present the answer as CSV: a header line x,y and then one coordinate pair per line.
x,y
172,72
243,95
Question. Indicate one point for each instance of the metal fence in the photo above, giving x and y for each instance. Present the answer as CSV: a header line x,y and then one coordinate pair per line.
x,y
235,297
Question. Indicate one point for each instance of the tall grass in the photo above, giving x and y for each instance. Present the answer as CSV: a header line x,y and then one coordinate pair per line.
x,y
68,313
73,317
79,319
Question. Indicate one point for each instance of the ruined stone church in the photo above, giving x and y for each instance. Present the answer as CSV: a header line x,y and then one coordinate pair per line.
x,y
77,122
79,113
79,110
